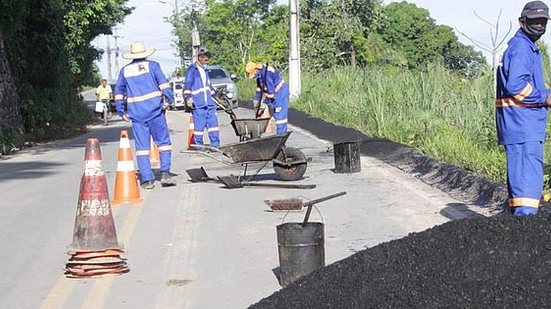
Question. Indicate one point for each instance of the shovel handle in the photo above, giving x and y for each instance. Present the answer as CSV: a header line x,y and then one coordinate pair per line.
x,y
311,203
277,185
322,199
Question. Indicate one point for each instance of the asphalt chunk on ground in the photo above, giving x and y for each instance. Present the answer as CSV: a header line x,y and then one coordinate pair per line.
x,y
497,262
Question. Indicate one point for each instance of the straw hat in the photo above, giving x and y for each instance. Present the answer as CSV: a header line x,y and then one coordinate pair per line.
x,y
251,68
138,51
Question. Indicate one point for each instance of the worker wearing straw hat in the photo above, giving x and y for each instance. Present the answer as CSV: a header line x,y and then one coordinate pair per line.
x,y
144,85
271,85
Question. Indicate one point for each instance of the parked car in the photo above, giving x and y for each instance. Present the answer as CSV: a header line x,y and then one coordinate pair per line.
x,y
220,78
177,86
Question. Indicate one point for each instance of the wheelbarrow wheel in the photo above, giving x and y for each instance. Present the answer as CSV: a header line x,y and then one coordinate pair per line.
x,y
292,171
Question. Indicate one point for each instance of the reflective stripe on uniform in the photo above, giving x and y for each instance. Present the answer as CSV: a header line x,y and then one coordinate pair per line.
x,y
142,152
281,121
165,147
144,97
524,201
511,102
524,93
213,129
200,90
164,86
197,132
119,97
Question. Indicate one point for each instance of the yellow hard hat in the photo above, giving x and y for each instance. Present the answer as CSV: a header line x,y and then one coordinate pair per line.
x,y
251,68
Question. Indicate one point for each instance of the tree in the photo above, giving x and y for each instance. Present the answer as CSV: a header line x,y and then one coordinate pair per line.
x,y
412,30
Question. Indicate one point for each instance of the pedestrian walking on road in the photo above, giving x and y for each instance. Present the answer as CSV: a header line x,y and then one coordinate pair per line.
x,y
143,83
271,85
522,100
197,94
104,94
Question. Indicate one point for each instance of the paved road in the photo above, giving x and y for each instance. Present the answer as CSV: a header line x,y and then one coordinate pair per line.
x,y
194,245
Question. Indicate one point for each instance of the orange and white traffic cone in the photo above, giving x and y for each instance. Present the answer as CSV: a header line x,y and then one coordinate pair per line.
x,y
190,132
95,250
126,183
154,155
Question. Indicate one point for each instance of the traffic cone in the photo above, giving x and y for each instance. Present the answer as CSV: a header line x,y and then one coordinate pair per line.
x,y
126,183
190,132
154,156
95,250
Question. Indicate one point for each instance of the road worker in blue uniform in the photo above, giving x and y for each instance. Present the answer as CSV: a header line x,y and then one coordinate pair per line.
x,y
521,110
271,86
197,94
144,85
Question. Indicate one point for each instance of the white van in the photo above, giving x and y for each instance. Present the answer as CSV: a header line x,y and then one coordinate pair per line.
x,y
178,90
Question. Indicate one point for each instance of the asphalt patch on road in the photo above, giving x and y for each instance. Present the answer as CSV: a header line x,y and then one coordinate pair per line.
x,y
495,262
457,182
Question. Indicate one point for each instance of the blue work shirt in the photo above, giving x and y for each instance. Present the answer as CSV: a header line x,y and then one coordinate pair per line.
x,y
200,91
521,113
269,82
144,84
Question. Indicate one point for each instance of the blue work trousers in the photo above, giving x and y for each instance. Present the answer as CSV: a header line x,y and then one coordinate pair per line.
x,y
281,109
524,174
158,129
205,118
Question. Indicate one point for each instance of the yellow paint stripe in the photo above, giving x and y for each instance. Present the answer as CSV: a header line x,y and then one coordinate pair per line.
x,y
99,291
62,289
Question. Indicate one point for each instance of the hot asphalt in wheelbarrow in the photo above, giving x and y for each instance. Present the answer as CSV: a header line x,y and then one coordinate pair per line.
x,y
499,262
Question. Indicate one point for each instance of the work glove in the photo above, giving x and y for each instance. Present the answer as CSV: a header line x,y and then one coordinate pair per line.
x,y
255,103
189,102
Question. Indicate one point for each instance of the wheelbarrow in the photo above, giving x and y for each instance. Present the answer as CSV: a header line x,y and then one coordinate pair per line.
x,y
244,128
289,164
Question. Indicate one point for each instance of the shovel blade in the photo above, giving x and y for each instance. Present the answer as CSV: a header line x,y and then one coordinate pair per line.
x,y
198,175
230,181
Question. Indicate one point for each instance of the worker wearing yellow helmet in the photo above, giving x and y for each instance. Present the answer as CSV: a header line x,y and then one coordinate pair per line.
x,y
272,86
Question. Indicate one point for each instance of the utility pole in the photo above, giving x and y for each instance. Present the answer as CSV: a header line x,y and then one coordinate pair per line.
x,y
195,39
108,50
116,36
294,50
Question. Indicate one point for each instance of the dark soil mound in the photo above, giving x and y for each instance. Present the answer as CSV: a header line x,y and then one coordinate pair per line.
x,y
499,262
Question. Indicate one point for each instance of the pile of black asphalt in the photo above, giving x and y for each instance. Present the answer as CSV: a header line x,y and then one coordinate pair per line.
x,y
497,262
459,183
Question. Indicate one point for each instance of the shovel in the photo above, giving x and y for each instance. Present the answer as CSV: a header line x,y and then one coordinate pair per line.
x,y
199,175
309,204
233,182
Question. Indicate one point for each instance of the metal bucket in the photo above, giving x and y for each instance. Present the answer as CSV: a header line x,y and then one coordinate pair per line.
x,y
301,250
347,157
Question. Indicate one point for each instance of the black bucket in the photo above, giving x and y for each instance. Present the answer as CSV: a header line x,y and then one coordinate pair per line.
x,y
301,250
347,157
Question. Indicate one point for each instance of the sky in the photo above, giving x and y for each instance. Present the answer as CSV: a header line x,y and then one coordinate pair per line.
x,y
147,24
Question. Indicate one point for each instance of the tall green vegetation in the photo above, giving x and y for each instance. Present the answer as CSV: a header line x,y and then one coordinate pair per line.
x,y
435,111
333,33
49,49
